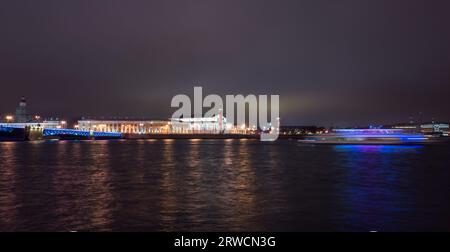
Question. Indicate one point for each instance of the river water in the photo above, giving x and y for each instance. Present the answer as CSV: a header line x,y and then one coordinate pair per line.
x,y
222,185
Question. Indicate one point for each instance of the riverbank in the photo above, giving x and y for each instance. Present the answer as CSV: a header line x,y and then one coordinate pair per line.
x,y
203,136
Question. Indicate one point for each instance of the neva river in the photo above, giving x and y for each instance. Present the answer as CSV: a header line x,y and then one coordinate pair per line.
x,y
222,185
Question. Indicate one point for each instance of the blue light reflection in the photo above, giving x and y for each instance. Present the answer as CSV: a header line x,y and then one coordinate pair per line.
x,y
377,192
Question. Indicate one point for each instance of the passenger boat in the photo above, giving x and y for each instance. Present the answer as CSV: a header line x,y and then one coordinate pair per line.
x,y
368,136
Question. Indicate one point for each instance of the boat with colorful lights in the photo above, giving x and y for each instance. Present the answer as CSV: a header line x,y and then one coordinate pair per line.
x,y
372,137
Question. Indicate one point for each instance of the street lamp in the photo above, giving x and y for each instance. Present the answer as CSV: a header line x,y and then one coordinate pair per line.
x,y
9,118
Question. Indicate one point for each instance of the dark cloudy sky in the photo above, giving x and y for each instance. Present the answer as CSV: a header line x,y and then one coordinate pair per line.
x,y
332,62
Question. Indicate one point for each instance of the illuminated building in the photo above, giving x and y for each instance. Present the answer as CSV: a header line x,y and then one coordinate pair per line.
x,y
34,125
215,124
440,128
125,126
301,130
407,127
21,112
425,128
205,125
23,120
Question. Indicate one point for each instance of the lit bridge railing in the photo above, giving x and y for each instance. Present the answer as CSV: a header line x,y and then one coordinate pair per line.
x,y
107,134
66,132
80,133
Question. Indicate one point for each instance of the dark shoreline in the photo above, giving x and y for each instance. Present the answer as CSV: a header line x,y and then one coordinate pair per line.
x,y
205,136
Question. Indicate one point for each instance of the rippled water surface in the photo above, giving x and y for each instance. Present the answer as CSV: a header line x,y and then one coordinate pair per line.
x,y
222,185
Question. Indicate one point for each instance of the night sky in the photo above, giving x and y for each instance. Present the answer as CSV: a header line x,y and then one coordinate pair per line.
x,y
332,62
